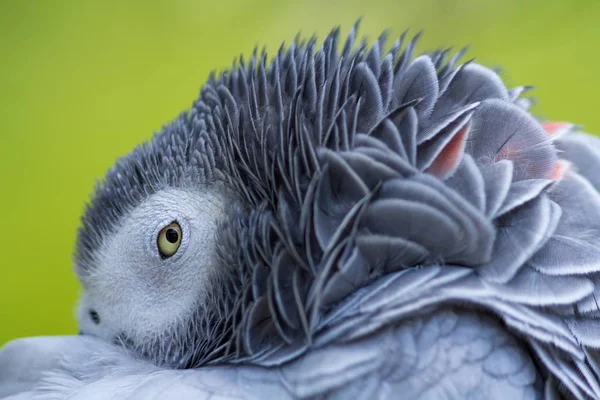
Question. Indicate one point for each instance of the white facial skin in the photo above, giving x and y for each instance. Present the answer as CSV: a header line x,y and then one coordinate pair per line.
x,y
132,288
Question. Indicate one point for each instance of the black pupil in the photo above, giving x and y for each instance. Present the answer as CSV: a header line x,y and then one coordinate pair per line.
x,y
172,235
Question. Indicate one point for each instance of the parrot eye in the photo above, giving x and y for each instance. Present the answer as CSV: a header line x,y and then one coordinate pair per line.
x,y
169,239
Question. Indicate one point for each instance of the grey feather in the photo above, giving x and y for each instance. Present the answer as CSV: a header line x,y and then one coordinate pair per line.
x,y
575,246
584,152
497,178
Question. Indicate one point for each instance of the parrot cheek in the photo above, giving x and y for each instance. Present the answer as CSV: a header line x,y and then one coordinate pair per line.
x,y
135,310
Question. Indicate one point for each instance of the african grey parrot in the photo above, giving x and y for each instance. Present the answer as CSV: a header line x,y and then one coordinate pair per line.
x,y
337,224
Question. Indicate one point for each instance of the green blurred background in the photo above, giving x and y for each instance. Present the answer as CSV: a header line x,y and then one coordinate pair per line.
x,y
82,82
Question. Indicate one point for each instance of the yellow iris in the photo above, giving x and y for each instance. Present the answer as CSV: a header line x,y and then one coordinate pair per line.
x,y
169,239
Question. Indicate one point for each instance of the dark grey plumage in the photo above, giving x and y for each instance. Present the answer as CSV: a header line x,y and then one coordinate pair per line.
x,y
369,189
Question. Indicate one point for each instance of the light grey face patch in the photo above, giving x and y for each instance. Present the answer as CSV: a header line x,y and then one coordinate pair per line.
x,y
132,290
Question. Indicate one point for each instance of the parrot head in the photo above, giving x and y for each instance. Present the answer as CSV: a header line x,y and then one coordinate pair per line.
x,y
154,280
285,189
